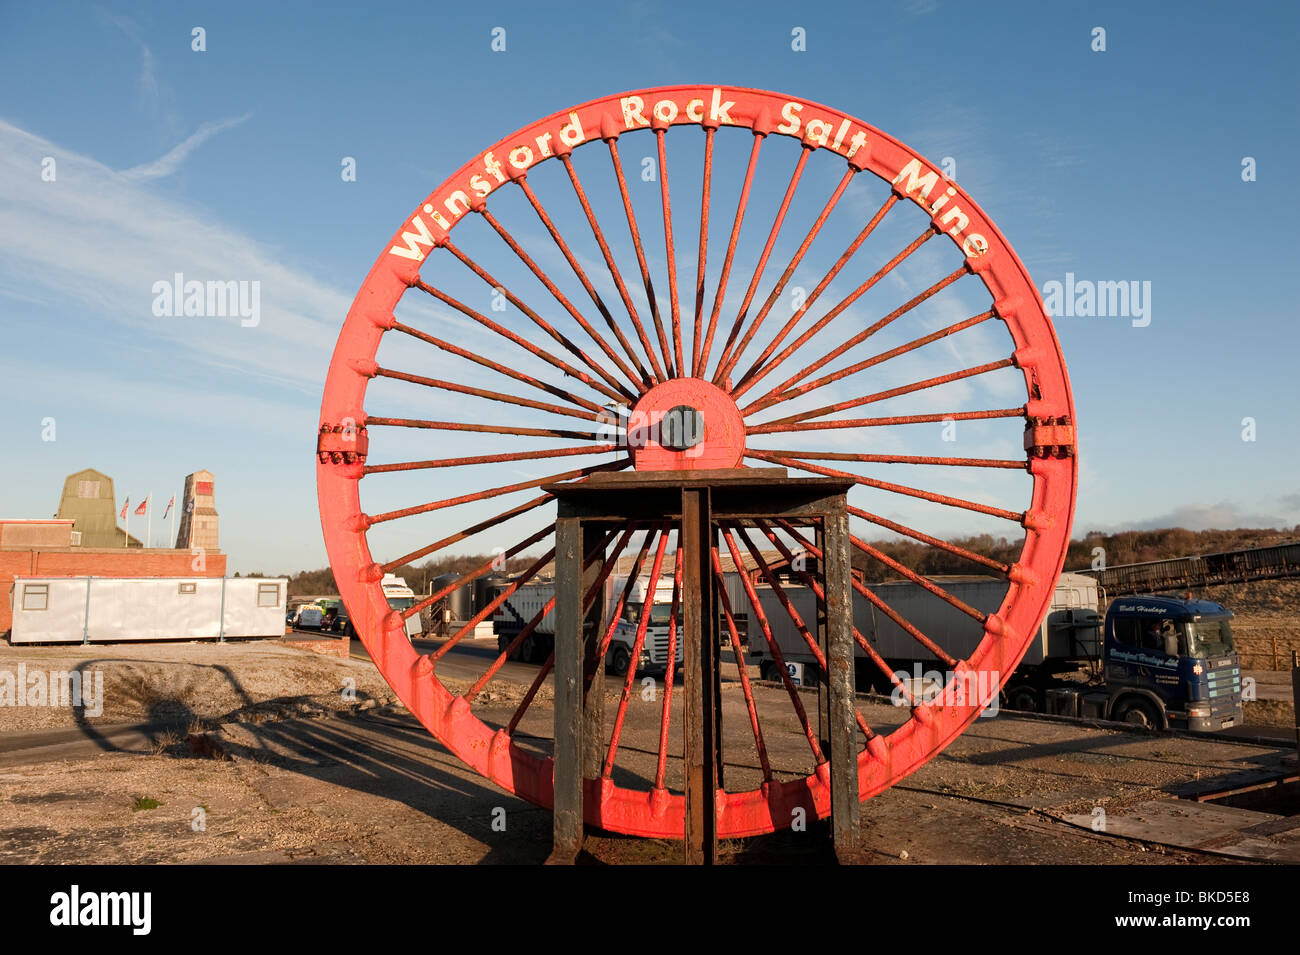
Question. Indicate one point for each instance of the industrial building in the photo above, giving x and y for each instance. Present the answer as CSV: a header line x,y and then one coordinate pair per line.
x,y
83,540
88,501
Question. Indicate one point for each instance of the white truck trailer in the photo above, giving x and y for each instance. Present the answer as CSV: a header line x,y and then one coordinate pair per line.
x,y
118,609
525,603
1069,634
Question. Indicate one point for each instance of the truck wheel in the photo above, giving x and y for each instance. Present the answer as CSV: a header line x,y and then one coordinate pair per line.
x,y
528,650
1023,698
619,661
770,671
1138,712
503,643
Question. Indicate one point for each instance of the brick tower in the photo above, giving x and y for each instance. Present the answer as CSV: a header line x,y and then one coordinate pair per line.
x,y
198,514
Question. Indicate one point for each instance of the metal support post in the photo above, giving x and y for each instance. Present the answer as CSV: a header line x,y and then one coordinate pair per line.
x,y
700,674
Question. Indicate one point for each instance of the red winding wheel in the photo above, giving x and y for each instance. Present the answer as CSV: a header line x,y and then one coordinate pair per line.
x,y
497,331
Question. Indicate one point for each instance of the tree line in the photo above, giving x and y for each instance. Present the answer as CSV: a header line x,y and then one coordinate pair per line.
x,y
1119,547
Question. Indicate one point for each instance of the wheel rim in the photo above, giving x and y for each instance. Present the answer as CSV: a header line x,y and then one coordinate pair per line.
x,y
755,365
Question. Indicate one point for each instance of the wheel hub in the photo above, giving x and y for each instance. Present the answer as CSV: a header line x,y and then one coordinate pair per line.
x,y
686,424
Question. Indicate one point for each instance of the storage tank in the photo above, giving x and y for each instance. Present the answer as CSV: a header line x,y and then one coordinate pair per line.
x,y
486,589
459,600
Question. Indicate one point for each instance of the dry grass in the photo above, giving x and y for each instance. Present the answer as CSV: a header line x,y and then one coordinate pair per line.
x,y
1269,713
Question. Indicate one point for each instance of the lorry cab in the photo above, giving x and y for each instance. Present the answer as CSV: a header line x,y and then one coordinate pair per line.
x,y
1172,656
401,597
654,650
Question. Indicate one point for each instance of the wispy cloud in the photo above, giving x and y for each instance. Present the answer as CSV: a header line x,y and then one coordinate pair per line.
x,y
1201,517
171,161
97,239
148,64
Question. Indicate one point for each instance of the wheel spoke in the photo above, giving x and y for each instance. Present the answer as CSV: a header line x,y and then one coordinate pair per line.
x,y
785,602
666,711
614,272
863,335
742,670
819,592
491,608
901,390
726,360
697,340
498,491
889,421
479,571
907,626
527,701
775,649
498,396
592,592
670,251
628,586
653,302
522,342
720,294
772,397
638,378
834,313
541,323
899,459
816,293
790,269
1017,517
489,458
485,428
467,532
1001,569
647,606
519,376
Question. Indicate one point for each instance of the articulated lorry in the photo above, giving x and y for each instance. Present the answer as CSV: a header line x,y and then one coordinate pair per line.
x,y
1153,661
520,607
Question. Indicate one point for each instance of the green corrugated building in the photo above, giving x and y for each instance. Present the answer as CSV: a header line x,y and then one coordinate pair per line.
x,y
89,502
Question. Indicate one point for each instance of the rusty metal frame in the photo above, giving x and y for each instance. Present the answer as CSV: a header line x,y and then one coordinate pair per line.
x,y
701,504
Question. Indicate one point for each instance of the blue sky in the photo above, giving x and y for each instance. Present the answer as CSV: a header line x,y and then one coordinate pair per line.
x,y
1116,165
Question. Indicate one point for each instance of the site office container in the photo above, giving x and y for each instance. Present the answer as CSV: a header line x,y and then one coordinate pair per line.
x,y
112,609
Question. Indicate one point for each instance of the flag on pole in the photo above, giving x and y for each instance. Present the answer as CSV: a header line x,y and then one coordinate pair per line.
x,y
125,505
170,504
142,508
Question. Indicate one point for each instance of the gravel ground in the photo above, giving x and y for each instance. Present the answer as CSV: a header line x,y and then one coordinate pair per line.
x,y
264,759
184,683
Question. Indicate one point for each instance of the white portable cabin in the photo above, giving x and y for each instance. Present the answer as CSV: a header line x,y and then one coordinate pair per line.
x,y
113,609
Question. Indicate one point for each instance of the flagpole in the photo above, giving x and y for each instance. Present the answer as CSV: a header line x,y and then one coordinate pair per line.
x,y
172,507
148,517
126,537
